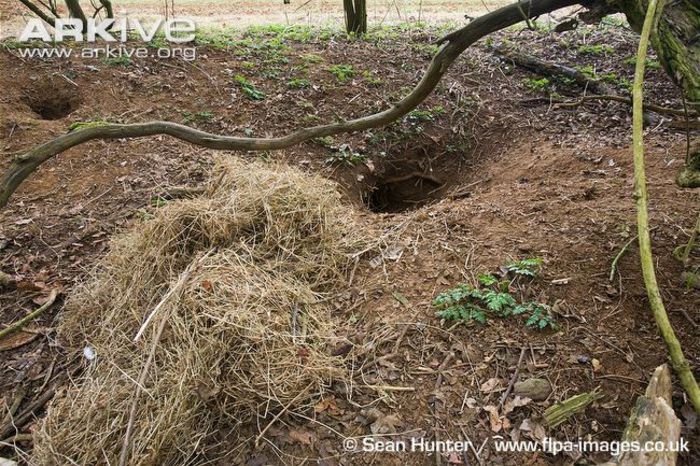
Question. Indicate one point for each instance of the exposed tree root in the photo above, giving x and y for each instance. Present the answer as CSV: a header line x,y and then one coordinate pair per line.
x,y
19,325
456,42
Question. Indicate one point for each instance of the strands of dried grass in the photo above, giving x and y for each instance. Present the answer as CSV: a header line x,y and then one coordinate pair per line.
x,y
226,292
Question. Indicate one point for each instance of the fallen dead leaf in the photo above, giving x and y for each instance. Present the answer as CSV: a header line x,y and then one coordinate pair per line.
x,y
490,385
494,418
326,404
301,436
386,424
516,402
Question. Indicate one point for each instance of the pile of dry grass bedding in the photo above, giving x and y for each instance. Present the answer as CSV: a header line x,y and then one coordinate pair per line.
x,y
210,313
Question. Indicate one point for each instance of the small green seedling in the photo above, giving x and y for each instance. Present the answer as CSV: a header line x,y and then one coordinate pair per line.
x,y
298,83
344,155
249,88
197,117
342,72
526,267
538,84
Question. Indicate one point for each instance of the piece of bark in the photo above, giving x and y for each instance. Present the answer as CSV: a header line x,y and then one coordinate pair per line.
x,y
652,420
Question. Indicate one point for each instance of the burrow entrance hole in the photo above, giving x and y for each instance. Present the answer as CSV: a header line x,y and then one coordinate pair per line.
x,y
53,99
393,193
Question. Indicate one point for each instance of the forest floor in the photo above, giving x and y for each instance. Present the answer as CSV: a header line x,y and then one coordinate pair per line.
x,y
489,170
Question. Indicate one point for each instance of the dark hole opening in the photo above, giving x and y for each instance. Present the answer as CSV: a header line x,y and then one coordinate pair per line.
x,y
53,99
401,194
53,109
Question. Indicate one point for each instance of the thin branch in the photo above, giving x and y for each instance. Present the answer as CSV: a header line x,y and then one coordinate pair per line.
x,y
38,11
680,364
19,325
626,100
456,42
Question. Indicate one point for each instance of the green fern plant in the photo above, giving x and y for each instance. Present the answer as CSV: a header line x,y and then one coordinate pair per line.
x,y
526,267
491,297
249,88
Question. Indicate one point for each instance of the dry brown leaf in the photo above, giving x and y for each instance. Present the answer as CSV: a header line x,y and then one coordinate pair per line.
x,y
17,339
327,404
494,418
386,424
515,402
490,385
301,436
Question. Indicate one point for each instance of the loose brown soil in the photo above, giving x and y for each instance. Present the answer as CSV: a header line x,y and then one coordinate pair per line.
x,y
488,171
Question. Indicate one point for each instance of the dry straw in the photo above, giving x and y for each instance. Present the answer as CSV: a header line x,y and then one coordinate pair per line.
x,y
226,294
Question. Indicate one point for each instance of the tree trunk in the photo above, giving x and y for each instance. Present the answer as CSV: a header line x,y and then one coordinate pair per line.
x,y
676,42
675,39
76,11
355,16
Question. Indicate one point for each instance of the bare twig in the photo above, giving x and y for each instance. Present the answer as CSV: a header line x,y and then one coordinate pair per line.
x,y
512,379
613,266
19,325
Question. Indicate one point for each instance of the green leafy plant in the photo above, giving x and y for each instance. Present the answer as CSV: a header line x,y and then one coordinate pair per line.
x,y
197,117
648,63
492,297
344,155
312,58
342,72
425,115
529,267
249,88
588,71
371,78
118,61
595,49
298,83
325,141
538,84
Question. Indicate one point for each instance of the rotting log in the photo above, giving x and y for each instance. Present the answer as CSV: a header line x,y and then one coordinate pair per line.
x,y
652,420
544,67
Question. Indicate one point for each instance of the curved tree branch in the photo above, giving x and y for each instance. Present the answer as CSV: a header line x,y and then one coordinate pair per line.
x,y
456,42
39,12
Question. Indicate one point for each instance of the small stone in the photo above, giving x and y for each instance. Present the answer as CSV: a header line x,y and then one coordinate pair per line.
x,y
535,389
524,247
